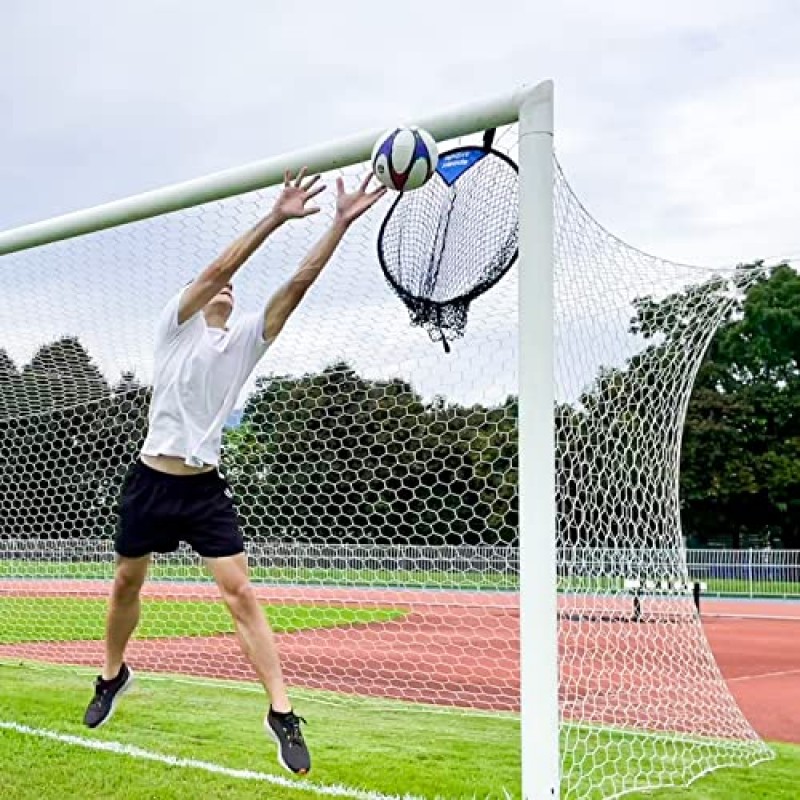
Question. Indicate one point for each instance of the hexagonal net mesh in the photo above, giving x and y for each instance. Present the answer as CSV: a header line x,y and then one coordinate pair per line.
x,y
376,481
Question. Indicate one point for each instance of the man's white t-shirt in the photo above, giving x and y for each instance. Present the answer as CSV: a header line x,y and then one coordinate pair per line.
x,y
198,373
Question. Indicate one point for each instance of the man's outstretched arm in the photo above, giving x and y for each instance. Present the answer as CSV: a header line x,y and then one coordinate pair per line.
x,y
349,207
291,204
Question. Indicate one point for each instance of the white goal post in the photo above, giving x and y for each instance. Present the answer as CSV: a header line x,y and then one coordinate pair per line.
x,y
537,526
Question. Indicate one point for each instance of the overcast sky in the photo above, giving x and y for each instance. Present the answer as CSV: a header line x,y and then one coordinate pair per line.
x,y
677,124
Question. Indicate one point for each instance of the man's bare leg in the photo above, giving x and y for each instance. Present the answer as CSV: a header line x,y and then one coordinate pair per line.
x,y
123,611
254,632
121,621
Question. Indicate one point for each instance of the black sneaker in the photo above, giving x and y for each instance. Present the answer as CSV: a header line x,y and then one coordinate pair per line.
x,y
292,751
106,694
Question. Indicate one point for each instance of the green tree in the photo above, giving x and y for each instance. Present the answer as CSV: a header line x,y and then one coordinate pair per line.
x,y
740,444
12,398
741,453
66,438
334,456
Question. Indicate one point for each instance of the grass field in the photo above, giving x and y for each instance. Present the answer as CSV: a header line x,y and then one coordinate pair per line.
x,y
365,744
37,619
176,737
413,579
417,579
361,746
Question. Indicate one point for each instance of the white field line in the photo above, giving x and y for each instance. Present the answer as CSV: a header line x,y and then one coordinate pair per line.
x,y
757,616
781,674
131,751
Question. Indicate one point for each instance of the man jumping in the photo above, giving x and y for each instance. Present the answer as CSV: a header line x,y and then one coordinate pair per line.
x,y
174,492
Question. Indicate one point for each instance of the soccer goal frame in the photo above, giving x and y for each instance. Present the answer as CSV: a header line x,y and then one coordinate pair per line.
x,y
532,108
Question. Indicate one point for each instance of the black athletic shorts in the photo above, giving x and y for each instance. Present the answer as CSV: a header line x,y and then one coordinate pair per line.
x,y
158,511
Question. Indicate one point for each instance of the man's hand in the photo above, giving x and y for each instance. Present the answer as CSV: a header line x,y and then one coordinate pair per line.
x,y
349,207
292,202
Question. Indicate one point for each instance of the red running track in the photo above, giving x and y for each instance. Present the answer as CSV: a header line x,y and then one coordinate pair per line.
x,y
757,645
453,648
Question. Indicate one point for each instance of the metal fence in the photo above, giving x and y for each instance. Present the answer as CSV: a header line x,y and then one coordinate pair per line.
x,y
468,567
401,558
748,573
730,573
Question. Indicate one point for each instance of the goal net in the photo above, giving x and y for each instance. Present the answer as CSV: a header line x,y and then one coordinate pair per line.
x,y
376,481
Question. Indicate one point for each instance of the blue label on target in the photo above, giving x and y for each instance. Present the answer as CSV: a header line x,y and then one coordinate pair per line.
x,y
454,164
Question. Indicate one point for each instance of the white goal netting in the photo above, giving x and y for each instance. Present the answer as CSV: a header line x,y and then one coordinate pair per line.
x,y
376,480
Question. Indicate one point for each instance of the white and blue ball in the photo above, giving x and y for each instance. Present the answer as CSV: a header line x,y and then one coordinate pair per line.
x,y
404,158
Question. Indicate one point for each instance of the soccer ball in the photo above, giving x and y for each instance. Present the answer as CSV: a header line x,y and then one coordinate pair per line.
x,y
404,158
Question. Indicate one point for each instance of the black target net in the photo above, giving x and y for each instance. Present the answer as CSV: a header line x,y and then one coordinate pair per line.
x,y
446,243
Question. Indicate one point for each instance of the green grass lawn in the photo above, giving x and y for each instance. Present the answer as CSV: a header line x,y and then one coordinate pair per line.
x,y
386,747
363,744
417,579
726,587
59,619
730,587
379,578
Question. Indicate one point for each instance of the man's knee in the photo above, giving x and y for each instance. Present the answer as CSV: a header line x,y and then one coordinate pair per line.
x,y
128,579
239,597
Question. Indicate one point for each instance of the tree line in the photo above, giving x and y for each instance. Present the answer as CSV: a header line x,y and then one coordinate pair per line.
x,y
334,456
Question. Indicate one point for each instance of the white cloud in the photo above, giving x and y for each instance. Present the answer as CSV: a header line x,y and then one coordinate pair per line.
x,y
687,123
740,200
111,99
676,123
